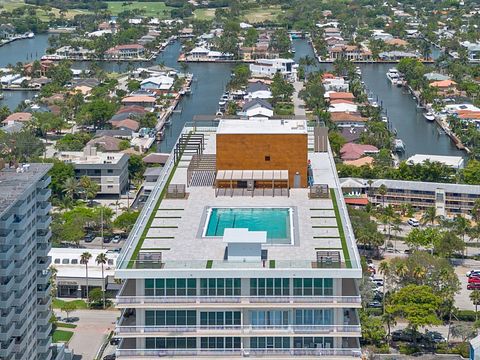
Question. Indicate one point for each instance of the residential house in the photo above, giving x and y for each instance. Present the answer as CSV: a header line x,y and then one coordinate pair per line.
x,y
473,50
339,95
125,52
349,52
258,90
257,108
353,151
344,106
140,100
270,67
164,83
346,119
127,124
106,143
335,84
22,117
396,55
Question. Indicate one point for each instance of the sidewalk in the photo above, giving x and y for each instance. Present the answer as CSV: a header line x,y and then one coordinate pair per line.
x,y
298,104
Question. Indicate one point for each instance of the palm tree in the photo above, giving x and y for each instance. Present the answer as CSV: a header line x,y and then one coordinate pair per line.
x,y
102,260
382,190
70,187
401,270
384,269
419,272
84,259
429,216
475,298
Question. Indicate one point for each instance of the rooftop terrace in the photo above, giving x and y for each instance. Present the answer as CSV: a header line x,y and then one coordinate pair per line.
x,y
174,227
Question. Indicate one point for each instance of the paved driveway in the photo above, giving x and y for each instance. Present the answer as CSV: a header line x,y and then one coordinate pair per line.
x,y
91,331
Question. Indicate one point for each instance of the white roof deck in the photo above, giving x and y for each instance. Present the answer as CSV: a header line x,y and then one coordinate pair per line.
x,y
266,126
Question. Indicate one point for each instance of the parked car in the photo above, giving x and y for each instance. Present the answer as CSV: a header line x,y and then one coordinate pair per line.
x,y
89,238
473,273
473,286
374,304
114,341
413,222
378,282
407,335
106,239
109,357
71,319
474,280
435,337
116,239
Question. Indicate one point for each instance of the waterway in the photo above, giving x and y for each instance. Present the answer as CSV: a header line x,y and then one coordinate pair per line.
x,y
419,135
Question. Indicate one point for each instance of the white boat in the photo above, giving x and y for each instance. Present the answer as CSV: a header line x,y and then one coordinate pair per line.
x,y
30,35
374,104
358,71
1,96
429,116
393,75
398,145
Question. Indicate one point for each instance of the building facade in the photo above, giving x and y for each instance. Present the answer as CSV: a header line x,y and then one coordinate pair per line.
x,y
108,169
202,281
25,276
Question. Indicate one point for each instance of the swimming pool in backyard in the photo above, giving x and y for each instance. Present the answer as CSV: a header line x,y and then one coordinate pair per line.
x,y
277,222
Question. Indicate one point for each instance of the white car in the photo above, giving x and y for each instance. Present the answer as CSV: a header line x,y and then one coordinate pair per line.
x,y
474,272
413,222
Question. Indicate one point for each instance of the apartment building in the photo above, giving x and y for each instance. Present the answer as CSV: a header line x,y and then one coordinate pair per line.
x,y
108,169
25,278
448,199
243,249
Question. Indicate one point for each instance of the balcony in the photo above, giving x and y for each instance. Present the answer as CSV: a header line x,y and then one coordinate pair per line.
x,y
43,264
43,318
7,300
43,222
24,251
43,195
21,208
44,237
238,330
6,332
43,332
237,301
43,345
43,250
22,284
6,236
275,353
6,350
6,286
6,221
43,305
43,291
7,255
43,277
44,210
7,318
41,184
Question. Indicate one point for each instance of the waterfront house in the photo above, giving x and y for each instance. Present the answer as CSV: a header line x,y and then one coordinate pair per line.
x,y
257,108
352,151
378,34
394,42
396,55
338,95
108,169
45,65
7,31
347,119
455,162
344,106
335,84
139,100
258,90
8,79
473,50
116,133
71,52
445,87
125,52
163,83
186,32
22,117
126,124
146,39
270,67
349,52
434,76
352,133
203,54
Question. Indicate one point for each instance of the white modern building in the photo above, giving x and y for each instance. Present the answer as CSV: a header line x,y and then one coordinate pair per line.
x,y
203,280
473,50
108,169
24,277
269,67
455,162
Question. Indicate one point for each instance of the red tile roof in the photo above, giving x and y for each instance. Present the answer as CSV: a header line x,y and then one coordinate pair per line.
x,y
18,117
353,151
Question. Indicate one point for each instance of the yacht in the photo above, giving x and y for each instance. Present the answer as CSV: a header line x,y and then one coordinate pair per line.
x,y
393,75
429,116
398,145
30,35
358,71
1,96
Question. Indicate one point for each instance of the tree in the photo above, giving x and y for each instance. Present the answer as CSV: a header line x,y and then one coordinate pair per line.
x,y
463,331
20,146
126,220
70,187
59,174
448,244
95,296
136,167
336,141
89,188
429,215
97,113
68,307
471,172
281,89
427,238
373,330
84,259
102,259
382,191
384,269
416,304
475,299
73,142
133,85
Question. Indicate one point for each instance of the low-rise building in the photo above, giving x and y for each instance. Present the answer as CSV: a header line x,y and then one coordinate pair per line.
x,y
455,162
125,52
108,169
270,67
257,108
473,50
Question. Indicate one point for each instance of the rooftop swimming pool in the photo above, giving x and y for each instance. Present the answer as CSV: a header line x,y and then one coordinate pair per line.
x,y
277,222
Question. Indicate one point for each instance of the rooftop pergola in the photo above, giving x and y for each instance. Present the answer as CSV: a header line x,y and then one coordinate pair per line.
x,y
275,177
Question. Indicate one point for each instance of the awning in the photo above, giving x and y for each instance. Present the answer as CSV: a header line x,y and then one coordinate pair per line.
x,y
356,201
243,175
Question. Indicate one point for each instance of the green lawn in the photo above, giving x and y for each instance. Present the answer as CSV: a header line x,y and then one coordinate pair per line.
x,y
204,14
346,254
154,9
81,304
61,336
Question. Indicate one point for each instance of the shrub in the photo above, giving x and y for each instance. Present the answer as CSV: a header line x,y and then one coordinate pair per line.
x,y
465,315
407,349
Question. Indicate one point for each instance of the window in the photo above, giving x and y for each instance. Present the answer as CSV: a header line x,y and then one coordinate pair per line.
x,y
110,261
220,318
171,343
65,261
109,171
56,261
74,262
267,158
270,342
312,342
270,287
109,186
220,287
314,317
170,317
312,287
170,287
220,343
268,317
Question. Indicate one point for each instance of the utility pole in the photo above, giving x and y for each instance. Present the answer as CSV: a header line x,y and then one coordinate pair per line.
x,y
101,221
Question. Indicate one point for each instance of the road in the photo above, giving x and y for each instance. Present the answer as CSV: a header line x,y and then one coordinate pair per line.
x,y
298,104
91,331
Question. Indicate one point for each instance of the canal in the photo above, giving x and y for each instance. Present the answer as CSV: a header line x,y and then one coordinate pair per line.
x,y
419,135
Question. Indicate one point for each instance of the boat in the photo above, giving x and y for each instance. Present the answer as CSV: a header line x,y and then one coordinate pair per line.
x,y
168,121
1,96
398,145
393,75
374,104
358,71
188,90
385,119
429,116
30,35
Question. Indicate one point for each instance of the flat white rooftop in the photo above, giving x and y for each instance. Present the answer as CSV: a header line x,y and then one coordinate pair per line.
x,y
78,157
228,126
455,162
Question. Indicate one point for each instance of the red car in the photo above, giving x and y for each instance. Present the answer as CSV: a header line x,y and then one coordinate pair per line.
x,y
473,286
474,280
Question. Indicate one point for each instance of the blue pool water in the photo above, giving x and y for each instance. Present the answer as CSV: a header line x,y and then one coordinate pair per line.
x,y
275,221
